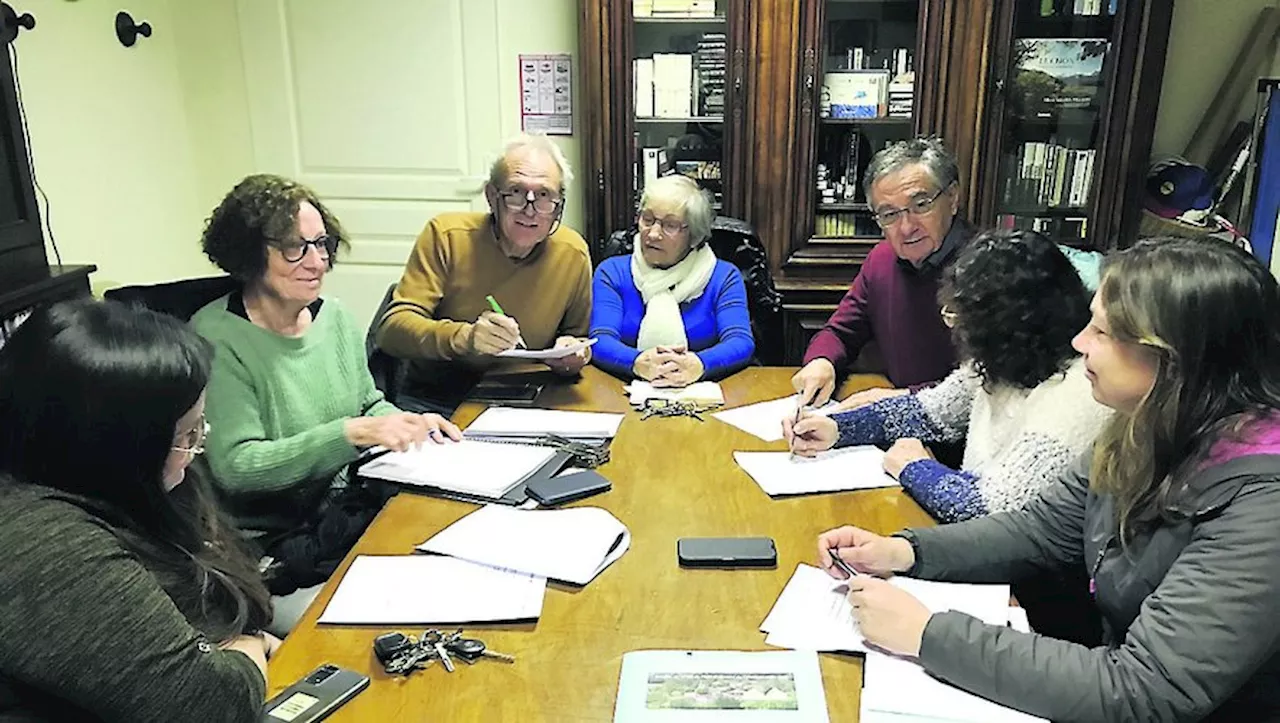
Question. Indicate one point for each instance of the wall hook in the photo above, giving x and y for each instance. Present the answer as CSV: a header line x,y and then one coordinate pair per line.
x,y
127,31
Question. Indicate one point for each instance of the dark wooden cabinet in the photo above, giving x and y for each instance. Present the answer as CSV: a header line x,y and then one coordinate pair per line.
x,y
786,116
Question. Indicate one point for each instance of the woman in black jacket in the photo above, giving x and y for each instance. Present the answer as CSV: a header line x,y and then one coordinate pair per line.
x,y
1172,516
124,595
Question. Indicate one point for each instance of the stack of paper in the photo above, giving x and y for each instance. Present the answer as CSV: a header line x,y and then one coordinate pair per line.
x,y
764,419
899,690
475,468
782,473
571,545
813,613
421,589
517,425
701,393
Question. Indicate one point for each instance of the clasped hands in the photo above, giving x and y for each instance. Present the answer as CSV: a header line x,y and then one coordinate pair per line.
x,y
668,366
494,333
888,617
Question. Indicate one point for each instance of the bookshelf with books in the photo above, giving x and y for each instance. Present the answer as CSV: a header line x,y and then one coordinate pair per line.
x,y
1065,94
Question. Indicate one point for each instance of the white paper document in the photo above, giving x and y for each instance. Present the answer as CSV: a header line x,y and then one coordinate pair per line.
x,y
813,612
669,686
477,468
708,393
552,353
421,589
764,419
571,545
513,423
782,473
901,687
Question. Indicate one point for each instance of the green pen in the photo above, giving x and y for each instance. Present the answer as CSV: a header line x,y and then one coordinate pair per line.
x,y
493,304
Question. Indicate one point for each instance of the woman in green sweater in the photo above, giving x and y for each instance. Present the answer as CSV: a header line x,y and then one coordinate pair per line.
x,y
291,401
124,594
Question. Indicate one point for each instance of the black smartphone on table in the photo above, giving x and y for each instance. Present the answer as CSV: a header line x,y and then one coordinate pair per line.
x,y
727,552
505,393
567,487
313,698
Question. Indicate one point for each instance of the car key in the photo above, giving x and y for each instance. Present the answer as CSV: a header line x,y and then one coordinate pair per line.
x,y
389,646
436,641
471,649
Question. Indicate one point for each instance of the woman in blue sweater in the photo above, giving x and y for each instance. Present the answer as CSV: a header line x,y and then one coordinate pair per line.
x,y
671,313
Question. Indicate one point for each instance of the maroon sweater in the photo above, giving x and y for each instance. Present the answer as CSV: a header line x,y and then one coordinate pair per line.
x,y
897,305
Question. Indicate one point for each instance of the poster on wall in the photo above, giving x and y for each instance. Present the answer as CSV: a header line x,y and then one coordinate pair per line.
x,y
546,94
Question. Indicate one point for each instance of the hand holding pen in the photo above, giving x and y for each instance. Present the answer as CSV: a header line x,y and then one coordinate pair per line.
x,y
808,434
495,332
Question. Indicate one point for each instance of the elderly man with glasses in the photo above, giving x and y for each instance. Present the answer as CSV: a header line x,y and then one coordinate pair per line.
x,y
914,191
476,285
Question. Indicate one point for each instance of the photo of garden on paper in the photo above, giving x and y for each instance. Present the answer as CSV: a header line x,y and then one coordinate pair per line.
x,y
722,691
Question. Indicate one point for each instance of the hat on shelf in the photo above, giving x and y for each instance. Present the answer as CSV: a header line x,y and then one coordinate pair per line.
x,y
1181,190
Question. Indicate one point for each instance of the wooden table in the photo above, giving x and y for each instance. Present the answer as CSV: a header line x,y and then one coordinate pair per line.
x,y
672,478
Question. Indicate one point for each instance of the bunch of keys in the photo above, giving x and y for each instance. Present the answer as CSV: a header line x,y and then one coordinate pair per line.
x,y
402,654
666,408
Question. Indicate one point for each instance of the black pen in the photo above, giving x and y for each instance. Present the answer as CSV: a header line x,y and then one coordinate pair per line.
x,y
840,563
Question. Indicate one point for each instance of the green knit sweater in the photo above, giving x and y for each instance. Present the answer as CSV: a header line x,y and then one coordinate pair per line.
x,y
277,406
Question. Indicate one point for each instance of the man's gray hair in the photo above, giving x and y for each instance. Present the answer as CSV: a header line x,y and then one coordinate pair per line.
x,y
928,151
500,169
683,193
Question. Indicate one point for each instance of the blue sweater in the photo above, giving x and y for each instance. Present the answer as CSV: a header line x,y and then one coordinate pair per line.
x,y
716,322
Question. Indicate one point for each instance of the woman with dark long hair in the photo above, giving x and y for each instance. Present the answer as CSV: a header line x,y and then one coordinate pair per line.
x,y
1172,516
124,593
1020,401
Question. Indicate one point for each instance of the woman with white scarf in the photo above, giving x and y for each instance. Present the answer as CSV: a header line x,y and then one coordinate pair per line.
x,y
671,313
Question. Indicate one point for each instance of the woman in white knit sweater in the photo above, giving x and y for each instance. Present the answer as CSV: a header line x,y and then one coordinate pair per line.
x,y
1020,400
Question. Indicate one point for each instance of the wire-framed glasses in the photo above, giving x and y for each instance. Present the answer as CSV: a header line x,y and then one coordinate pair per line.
x,y
293,251
918,207
669,226
192,441
543,201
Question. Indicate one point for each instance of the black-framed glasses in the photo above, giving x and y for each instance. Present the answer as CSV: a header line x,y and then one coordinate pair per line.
x,y
918,207
192,441
669,226
544,202
293,251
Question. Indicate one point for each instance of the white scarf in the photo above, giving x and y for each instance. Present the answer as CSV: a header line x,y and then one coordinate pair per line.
x,y
663,290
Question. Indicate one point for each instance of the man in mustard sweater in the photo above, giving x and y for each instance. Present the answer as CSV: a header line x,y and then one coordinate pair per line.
x,y
538,272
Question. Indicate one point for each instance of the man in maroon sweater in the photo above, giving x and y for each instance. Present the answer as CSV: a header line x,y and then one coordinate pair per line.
x,y
914,190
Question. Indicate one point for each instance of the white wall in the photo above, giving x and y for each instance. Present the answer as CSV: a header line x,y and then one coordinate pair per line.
x,y
1203,43
110,139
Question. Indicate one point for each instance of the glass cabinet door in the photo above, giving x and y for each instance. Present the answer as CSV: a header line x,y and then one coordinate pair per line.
x,y
679,66
1055,92
866,100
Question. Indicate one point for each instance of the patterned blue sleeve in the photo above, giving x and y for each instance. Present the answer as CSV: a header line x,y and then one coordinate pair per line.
x,y
887,421
946,494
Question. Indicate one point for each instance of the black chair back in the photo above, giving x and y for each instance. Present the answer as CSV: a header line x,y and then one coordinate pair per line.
x,y
388,371
179,299
735,241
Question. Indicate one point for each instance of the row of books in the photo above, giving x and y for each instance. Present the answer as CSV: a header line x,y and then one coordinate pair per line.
x,y
845,225
1057,228
1059,8
9,325
1048,175
840,162
711,62
673,8
894,60
683,85
867,94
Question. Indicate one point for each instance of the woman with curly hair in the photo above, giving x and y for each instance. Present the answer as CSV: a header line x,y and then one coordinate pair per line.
x,y
291,401
1020,401
1172,516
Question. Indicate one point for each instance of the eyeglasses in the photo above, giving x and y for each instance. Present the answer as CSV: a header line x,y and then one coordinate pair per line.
x,y
192,441
544,202
948,316
293,251
918,207
669,226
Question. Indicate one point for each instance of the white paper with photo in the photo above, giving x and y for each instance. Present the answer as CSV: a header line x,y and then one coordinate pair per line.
x,y
422,589
552,353
705,393
764,419
674,686
851,468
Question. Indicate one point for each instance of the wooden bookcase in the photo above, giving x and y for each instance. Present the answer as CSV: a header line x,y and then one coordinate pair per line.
x,y
774,133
